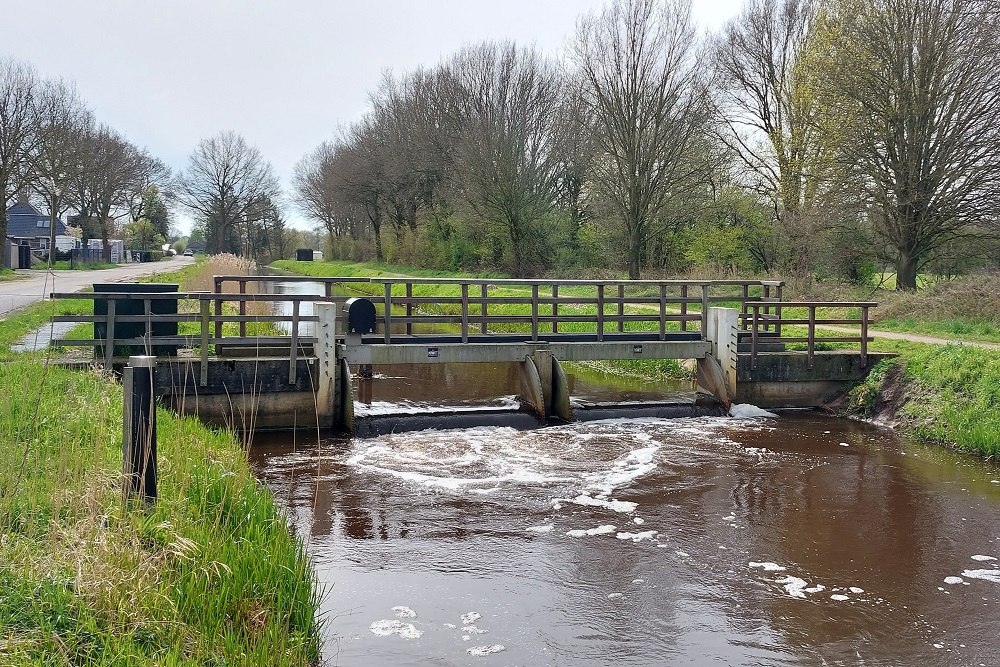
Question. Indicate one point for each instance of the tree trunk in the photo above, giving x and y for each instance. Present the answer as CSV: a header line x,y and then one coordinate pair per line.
x,y
634,254
906,272
377,226
3,236
52,230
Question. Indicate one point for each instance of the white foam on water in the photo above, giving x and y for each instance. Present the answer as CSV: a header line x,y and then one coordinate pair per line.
x,y
404,407
747,411
388,627
450,626
479,651
547,528
471,617
614,596
637,521
845,444
855,589
818,588
637,537
600,530
986,575
625,470
731,517
952,581
622,506
794,586
474,630
839,598
981,557
682,554
404,612
768,566
638,581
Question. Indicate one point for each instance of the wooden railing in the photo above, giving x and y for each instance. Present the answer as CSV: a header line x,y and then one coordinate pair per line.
x,y
603,307
210,329
762,319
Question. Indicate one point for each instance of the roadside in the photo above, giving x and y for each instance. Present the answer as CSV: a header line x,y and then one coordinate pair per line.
x,y
914,338
37,285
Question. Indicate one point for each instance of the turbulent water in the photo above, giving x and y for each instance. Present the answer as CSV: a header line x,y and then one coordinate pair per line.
x,y
796,540
800,540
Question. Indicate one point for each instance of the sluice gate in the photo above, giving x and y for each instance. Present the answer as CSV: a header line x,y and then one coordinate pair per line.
x,y
235,357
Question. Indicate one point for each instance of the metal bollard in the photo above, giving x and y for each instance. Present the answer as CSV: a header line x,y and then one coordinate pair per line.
x,y
139,429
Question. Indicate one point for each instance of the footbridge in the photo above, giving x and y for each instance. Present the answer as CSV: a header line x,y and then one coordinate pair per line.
x,y
248,357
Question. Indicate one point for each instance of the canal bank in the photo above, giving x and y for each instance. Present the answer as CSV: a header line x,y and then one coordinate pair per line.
x,y
209,575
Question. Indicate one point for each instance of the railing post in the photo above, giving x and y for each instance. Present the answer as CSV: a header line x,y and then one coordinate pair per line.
x,y
465,312
684,307
600,312
482,309
621,308
409,309
811,345
243,310
704,309
864,336
293,360
663,312
387,315
534,312
744,310
203,379
147,309
754,336
109,339
555,308
139,429
777,309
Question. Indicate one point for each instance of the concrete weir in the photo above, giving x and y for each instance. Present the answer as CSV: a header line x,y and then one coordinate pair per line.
x,y
303,379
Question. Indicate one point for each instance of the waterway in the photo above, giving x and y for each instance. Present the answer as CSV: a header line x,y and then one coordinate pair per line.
x,y
643,539
797,540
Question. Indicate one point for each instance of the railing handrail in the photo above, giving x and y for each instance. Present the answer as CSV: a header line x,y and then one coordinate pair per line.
x,y
757,319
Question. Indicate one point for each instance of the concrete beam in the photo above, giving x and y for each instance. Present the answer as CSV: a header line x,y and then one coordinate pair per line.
x,y
785,379
516,352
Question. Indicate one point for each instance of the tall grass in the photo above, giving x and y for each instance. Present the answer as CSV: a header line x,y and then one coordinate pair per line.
x,y
209,575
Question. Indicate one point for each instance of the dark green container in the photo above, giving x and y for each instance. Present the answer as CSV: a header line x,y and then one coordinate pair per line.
x,y
136,307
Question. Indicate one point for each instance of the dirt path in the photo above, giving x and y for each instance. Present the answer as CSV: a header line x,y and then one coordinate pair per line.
x,y
914,338
37,285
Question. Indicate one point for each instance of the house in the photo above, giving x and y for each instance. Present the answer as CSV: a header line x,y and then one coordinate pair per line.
x,y
26,224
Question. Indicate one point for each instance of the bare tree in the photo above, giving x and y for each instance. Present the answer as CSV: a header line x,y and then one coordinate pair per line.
x,y
768,109
918,89
507,161
225,182
643,83
18,84
61,123
314,181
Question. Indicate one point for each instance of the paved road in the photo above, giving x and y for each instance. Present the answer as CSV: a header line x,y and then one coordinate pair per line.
x,y
39,284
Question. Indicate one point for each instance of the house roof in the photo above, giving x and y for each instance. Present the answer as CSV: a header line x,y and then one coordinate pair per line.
x,y
25,222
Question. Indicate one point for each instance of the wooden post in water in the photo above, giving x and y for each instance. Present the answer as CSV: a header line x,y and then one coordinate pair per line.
x,y
328,389
139,429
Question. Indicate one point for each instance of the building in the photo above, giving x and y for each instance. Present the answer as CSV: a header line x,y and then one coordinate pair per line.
x,y
26,224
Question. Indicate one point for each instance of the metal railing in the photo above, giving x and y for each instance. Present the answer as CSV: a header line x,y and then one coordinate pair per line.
x,y
761,320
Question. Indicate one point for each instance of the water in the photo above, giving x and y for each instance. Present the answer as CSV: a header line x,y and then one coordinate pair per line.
x,y
801,540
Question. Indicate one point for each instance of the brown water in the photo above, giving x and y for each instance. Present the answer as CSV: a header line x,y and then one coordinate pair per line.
x,y
444,523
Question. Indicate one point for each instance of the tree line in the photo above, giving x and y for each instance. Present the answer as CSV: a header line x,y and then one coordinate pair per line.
x,y
55,152
826,138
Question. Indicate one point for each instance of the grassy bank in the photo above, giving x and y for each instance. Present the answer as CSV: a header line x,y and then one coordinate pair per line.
x,y
209,576
946,394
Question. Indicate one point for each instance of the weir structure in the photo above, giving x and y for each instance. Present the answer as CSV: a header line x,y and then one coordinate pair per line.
x,y
248,358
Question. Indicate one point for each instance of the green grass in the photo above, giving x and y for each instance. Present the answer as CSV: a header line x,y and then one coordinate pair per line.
x,y
9,274
369,269
959,329
210,575
65,265
951,394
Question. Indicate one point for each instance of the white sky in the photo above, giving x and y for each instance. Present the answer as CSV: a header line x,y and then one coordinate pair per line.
x,y
286,74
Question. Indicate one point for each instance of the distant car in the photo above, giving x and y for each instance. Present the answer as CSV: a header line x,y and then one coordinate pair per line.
x,y
189,253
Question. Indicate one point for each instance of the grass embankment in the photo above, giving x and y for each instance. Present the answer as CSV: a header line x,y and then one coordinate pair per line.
x,y
208,576
9,274
651,370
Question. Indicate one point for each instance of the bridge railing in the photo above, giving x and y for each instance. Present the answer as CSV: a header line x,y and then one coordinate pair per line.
x,y
553,308
818,314
203,314
483,306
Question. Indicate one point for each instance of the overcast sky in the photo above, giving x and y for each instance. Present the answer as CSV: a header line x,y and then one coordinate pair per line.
x,y
286,74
